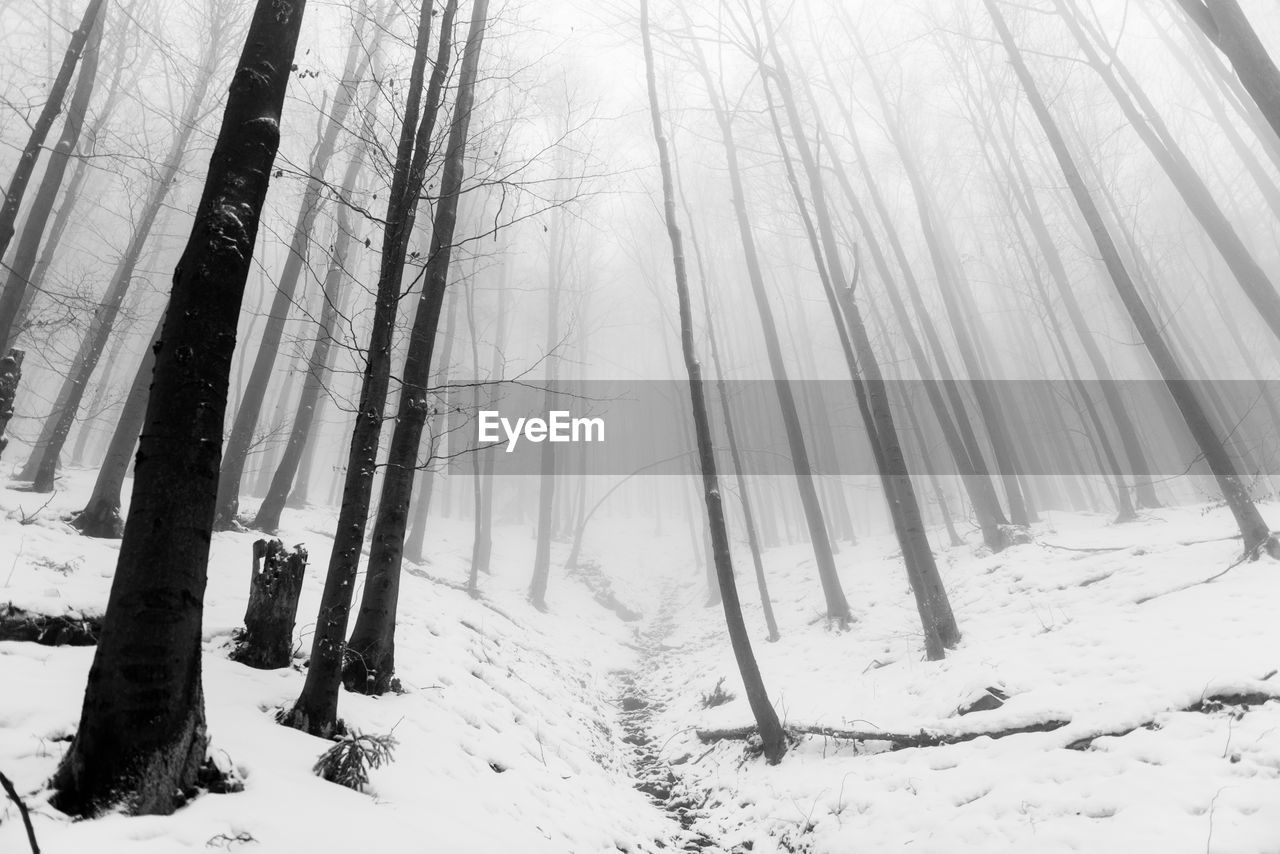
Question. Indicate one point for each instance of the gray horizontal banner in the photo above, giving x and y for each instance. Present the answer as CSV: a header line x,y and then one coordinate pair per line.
x,y
1054,427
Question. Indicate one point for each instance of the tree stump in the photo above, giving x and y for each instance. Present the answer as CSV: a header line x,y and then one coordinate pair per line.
x,y
266,642
10,376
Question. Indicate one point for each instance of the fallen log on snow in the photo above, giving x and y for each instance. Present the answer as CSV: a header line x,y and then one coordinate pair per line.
x,y
897,740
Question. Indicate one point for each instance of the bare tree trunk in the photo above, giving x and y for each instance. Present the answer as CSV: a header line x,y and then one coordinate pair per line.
x,y
1146,121
147,664
10,377
837,604
731,435
1252,527
958,433
546,454
1227,26
33,230
938,623
44,462
31,152
71,196
334,289
482,543
370,666
316,710
249,412
771,733
101,515
421,505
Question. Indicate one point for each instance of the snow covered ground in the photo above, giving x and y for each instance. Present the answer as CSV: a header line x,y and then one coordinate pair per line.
x,y
510,737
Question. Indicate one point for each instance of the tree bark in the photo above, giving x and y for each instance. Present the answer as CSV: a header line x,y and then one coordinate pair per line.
x,y
274,587
141,740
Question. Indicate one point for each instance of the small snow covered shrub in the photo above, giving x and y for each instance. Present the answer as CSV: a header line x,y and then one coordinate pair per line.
x,y
349,762
717,697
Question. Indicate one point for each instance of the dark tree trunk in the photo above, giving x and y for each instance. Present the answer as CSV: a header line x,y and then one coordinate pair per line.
x,y
35,142
274,587
141,740
10,377
101,515
1254,530
27,251
837,604
249,412
44,462
316,710
371,666
772,736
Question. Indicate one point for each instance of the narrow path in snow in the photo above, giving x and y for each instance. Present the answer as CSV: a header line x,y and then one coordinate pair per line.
x,y
637,703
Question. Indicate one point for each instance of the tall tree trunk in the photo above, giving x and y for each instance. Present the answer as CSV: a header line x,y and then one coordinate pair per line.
x,y
44,462
370,667
1146,121
938,623
35,142
71,196
101,515
837,604
959,433
1253,529
255,391
317,370
1023,192
316,710
546,453
1227,26
726,411
421,505
482,542
772,736
141,740
27,251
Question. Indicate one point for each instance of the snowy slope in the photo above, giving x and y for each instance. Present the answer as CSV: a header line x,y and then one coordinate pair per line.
x,y
490,685
1068,635
511,739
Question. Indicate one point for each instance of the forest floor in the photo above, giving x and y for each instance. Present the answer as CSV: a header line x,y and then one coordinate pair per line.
x,y
578,731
